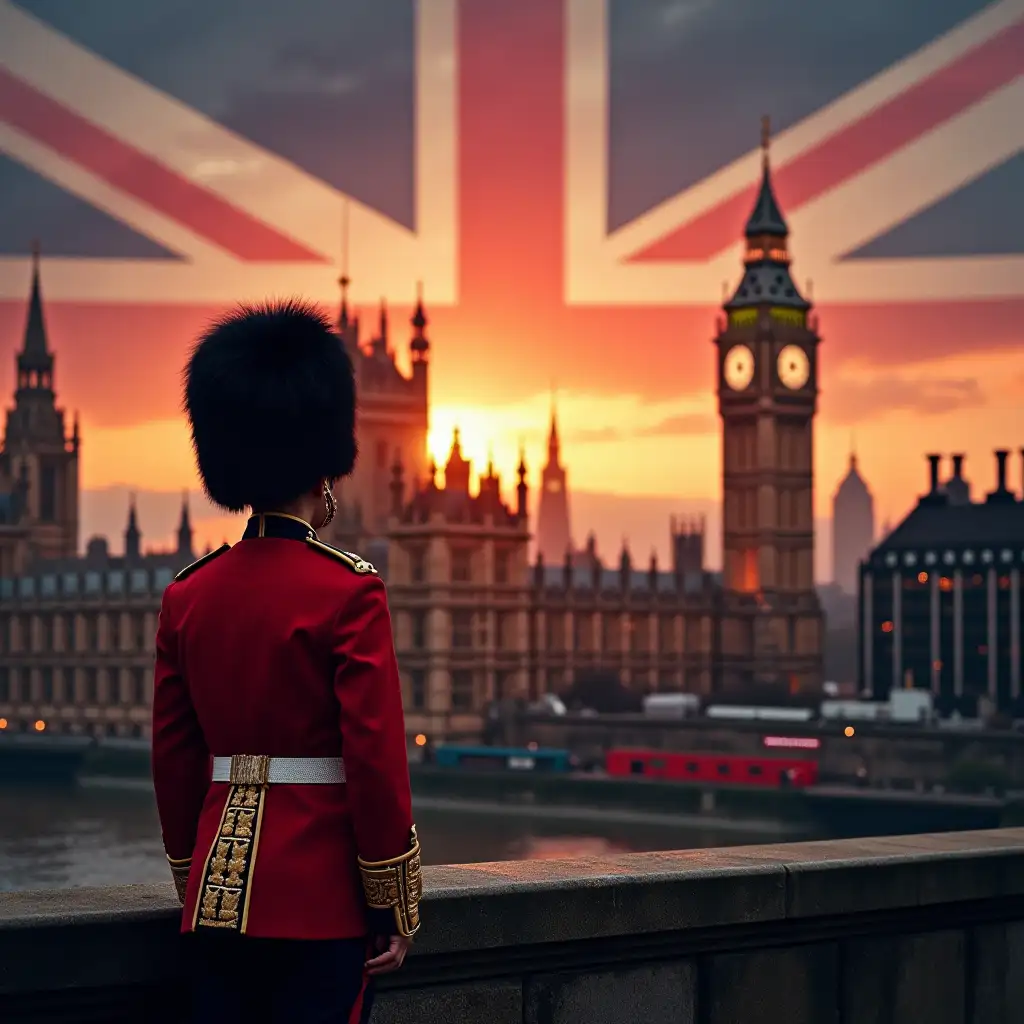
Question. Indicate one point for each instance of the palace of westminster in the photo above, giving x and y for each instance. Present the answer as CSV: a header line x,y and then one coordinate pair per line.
x,y
474,618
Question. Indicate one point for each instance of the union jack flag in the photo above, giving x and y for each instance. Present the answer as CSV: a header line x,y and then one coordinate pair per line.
x,y
584,165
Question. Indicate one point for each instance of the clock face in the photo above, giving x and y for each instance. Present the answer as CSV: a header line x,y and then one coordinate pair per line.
x,y
794,367
739,367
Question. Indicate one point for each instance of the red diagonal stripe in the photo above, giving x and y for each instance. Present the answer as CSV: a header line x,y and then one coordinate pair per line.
x,y
138,175
890,127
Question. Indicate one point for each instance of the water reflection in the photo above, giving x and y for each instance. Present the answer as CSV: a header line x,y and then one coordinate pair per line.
x,y
59,838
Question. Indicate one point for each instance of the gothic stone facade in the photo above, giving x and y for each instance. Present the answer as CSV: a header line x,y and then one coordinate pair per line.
x,y
476,622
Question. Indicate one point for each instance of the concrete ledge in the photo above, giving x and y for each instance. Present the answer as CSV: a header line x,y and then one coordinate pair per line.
x,y
552,941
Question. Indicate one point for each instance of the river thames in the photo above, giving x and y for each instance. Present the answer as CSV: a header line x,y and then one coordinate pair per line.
x,y
57,838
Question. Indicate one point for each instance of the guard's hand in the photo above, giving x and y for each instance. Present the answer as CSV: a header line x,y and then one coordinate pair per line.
x,y
391,954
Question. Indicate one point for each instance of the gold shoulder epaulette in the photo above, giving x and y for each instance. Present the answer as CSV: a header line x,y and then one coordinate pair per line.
x,y
208,557
354,562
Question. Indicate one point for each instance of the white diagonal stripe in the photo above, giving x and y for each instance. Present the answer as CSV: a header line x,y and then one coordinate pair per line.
x,y
595,267
387,257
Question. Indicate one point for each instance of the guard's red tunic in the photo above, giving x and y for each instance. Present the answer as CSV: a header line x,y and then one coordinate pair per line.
x,y
275,647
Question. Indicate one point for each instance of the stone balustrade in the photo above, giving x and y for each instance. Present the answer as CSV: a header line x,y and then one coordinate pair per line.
x,y
873,931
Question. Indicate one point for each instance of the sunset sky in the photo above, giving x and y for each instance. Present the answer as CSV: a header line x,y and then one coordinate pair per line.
x,y
926,355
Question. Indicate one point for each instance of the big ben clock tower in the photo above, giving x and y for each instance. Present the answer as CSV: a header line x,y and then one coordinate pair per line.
x,y
767,350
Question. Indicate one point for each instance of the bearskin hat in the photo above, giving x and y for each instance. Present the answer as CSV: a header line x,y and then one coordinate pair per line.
x,y
270,399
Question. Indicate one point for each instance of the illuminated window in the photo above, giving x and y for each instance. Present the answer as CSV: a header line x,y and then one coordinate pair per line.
x,y
986,556
948,557
968,558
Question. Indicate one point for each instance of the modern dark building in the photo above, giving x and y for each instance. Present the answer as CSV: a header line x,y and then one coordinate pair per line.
x,y
940,598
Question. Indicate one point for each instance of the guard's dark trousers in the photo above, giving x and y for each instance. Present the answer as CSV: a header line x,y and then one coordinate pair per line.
x,y
236,978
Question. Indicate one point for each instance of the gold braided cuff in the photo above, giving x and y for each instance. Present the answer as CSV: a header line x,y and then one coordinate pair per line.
x,y
179,873
396,885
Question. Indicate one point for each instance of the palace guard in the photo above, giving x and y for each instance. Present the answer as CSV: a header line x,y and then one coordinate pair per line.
x,y
279,746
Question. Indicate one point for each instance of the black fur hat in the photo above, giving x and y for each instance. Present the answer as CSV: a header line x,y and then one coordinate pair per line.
x,y
270,399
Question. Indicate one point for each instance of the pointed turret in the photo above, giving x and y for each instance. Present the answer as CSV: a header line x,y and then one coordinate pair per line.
x,y
132,534
379,345
625,565
456,470
35,360
185,552
419,346
554,528
766,217
521,489
554,445
343,320
766,279
344,280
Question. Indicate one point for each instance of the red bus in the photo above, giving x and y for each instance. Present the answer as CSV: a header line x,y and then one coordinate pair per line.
x,y
720,769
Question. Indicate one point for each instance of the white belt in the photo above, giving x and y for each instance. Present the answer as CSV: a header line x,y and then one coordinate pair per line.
x,y
259,770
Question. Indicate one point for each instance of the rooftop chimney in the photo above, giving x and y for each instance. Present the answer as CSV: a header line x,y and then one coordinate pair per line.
x,y
933,474
1001,493
1022,474
958,467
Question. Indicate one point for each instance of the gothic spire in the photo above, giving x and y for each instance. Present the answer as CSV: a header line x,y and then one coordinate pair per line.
x,y
344,281
766,277
132,534
553,441
419,318
766,217
521,487
457,468
419,346
35,355
185,529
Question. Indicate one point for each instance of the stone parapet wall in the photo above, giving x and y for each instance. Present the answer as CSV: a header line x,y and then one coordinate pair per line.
x,y
918,928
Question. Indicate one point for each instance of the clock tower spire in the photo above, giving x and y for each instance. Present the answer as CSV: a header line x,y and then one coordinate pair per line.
x,y
554,534
767,349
